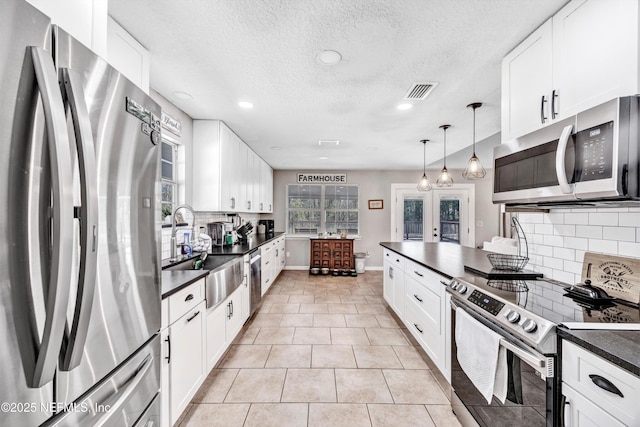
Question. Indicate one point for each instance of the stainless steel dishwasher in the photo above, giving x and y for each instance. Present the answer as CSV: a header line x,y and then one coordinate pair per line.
x,y
255,281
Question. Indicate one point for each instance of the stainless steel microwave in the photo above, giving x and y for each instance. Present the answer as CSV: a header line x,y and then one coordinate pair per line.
x,y
590,159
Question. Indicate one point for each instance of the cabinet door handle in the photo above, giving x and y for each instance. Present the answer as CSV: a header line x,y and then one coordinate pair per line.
x,y
419,274
168,341
554,95
233,203
418,328
444,283
193,317
417,297
543,118
188,298
566,411
390,272
229,310
605,384
231,302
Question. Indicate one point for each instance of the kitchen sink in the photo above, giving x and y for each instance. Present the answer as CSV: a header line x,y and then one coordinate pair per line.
x,y
211,263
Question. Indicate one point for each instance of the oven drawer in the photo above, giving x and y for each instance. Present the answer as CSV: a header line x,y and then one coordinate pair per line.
x,y
582,370
396,260
426,300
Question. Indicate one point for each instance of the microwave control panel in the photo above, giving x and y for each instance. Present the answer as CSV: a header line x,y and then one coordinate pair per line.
x,y
594,153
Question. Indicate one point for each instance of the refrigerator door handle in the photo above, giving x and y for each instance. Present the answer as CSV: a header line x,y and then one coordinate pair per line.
x,y
88,219
57,291
126,390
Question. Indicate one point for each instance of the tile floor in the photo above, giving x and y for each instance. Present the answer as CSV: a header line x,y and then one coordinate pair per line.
x,y
323,351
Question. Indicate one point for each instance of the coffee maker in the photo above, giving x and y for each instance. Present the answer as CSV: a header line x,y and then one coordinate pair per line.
x,y
268,225
217,233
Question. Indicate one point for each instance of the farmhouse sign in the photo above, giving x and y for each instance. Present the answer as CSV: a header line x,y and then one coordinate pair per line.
x,y
171,124
322,178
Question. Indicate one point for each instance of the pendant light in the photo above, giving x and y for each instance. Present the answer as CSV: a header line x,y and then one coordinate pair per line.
x,y
445,179
424,184
474,169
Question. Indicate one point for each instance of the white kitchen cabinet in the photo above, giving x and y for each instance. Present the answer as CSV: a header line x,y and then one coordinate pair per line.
x,y
266,187
267,265
527,79
216,334
586,403
387,282
583,56
127,55
234,314
165,389
186,359
281,254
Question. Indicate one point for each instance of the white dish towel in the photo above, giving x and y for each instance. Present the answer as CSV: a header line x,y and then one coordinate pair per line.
x,y
481,357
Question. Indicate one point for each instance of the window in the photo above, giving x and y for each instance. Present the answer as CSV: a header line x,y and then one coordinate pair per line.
x,y
313,209
169,186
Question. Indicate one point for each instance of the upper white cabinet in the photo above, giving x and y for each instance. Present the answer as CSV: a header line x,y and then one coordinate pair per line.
x,y
226,172
127,55
583,56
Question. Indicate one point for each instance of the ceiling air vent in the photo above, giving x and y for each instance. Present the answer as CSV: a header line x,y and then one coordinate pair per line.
x,y
419,91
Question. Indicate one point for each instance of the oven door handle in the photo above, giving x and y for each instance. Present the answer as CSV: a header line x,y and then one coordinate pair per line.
x,y
542,364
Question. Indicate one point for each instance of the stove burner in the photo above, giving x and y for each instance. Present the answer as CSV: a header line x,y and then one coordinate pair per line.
x,y
509,285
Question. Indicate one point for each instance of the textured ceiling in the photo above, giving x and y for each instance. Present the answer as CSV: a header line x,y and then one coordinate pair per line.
x,y
264,51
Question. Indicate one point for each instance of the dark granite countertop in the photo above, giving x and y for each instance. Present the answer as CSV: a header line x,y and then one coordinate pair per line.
x,y
254,241
622,348
174,280
447,259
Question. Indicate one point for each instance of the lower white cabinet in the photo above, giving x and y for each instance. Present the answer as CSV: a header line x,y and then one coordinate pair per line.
x,y
596,392
246,290
272,262
185,359
223,324
416,294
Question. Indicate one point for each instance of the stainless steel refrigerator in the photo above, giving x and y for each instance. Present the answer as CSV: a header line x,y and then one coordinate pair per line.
x,y
80,232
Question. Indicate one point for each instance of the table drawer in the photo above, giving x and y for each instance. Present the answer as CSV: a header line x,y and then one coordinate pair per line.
x,y
583,370
185,299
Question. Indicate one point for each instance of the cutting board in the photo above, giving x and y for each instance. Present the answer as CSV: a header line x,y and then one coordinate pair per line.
x,y
618,276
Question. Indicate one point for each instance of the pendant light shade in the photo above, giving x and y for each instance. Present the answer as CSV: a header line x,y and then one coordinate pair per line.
x,y
423,183
445,179
474,169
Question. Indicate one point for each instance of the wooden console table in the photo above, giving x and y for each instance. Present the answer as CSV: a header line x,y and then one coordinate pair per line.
x,y
335,254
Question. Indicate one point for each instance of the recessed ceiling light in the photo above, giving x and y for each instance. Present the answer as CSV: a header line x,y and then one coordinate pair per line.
x,y
328,142
245,104
329,57
275,147
182,95
324,158
405,106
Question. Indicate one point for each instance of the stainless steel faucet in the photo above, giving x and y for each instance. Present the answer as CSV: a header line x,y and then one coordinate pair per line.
x,y
173,227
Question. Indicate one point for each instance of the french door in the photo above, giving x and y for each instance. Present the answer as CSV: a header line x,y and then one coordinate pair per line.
x,y
439,215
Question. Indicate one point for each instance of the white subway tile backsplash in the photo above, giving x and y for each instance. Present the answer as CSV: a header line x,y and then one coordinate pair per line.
x,y
543,229
530,218
603,246
554,263
576,243
554,240
553,218
629,249
564,230
602,218
589,231
558,252
625,234
573,267
564,253
630,219
563,276
577,218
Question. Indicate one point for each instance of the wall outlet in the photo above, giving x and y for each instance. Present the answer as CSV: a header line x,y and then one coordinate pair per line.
x,y
479,223
288,254
368,254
